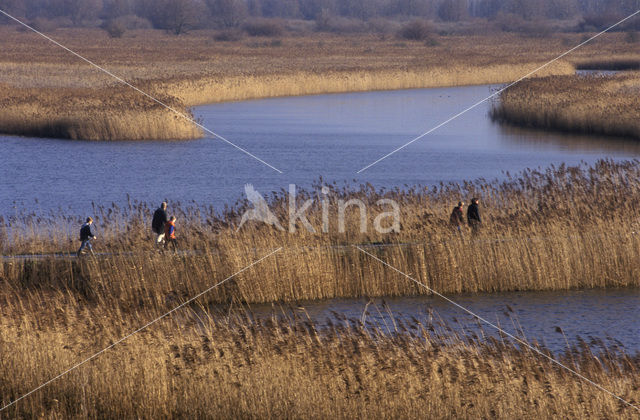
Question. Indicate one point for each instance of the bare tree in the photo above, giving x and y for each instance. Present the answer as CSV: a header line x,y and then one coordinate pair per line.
x,y
178,16
453,10
412,8
17,8
82,10
115,8
228,13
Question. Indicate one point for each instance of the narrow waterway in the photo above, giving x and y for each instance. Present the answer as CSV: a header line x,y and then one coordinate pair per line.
x,y
553,319
329,136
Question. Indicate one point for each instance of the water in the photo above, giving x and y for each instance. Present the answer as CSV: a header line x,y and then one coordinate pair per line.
x,y
332,136
609,315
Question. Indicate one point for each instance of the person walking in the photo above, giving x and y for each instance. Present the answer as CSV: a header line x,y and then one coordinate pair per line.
x,y
86,235
158,222
473,216
170,233
456,220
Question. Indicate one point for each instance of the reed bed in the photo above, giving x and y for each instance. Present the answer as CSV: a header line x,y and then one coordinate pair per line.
x,y
93,114
45,89
215,366
543,230
564,227
603,105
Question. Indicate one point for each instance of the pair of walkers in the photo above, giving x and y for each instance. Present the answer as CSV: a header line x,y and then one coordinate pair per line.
x,y
473,216
164,227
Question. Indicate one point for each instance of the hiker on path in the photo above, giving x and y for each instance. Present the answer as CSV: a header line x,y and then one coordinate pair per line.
x,y
159,220
86,235
457,219
473,216
170,233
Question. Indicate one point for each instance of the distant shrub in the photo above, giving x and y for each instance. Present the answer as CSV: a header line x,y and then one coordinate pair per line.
x,y
264,27
417,30
265,44
537,29
632,37
114,28
130,22
508,22
228,36
431,42
383,26
44,25
598,21
342,25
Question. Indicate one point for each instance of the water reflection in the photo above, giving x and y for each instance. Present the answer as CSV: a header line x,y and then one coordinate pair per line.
x,y
513,135
549,318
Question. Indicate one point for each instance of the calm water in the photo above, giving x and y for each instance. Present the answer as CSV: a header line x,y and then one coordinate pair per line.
x,y
332,136
607,315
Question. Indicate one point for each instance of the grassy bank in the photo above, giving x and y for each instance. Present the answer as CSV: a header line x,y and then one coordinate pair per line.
x,y
542,231
576,104
228,367
48,92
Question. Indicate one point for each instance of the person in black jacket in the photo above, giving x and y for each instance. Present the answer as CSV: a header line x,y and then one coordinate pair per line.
x,y
86,235
473,216
157,224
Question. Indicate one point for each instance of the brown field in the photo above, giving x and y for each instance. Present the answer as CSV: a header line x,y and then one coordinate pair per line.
x,y
48,92
578,104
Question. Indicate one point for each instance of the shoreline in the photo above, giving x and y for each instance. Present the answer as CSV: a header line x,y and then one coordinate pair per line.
x,y
278,86
52,97
578,104
159,123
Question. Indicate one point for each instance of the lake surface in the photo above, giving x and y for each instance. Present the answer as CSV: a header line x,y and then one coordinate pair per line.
x,y
609,315
332,136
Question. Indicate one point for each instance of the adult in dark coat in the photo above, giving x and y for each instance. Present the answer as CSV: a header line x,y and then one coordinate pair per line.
x,y
158,222
473,216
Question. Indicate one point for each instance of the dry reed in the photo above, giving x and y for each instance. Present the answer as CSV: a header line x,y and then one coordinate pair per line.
x,y
230,367
194,70
542,231
605,105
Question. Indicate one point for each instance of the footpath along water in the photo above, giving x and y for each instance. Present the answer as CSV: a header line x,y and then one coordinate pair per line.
x,y
332,136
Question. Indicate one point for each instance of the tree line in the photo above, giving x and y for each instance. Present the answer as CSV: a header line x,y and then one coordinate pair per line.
x,y
182,15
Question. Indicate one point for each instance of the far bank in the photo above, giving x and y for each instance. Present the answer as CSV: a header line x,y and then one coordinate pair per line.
x,y
49,93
